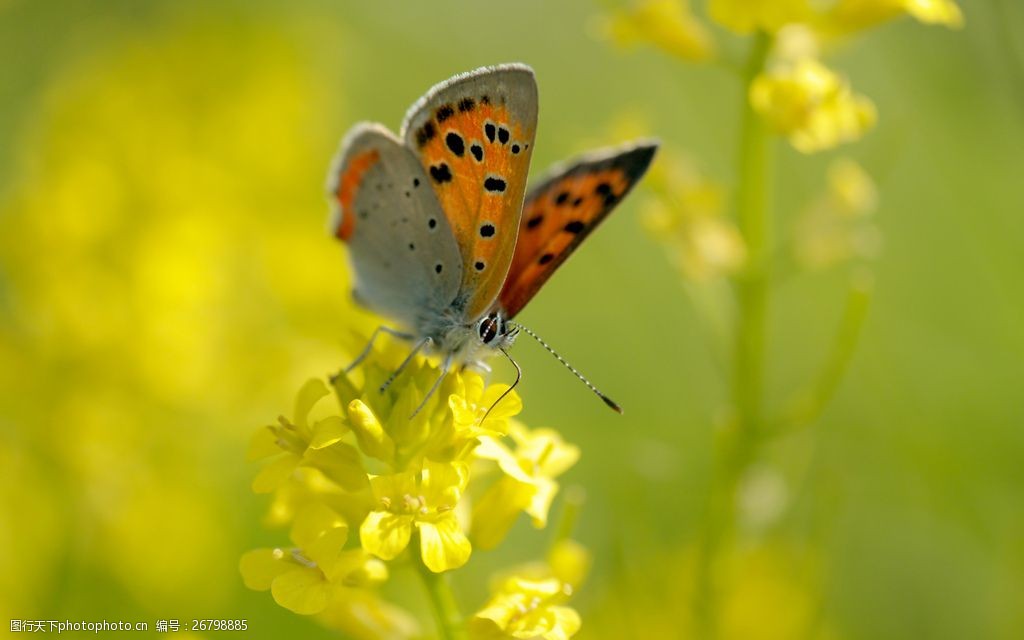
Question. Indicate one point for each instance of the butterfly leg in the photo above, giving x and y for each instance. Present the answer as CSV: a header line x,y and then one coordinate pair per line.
x,y
419,347
373,338
444,371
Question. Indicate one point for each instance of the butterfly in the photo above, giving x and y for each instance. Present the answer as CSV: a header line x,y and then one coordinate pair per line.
x,y
443,237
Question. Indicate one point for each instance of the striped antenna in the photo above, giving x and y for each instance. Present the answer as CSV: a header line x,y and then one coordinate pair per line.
x,y
608,401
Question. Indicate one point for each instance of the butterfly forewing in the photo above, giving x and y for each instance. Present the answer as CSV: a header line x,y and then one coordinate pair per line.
x,y
403,252
473,136
562,210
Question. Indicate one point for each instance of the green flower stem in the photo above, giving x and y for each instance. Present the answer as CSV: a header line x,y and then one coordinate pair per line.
x,y
737,443
754,221
442,600
572,504
808,405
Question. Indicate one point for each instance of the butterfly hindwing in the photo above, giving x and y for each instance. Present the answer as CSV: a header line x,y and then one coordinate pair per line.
x,y
473,135
563,209
403,251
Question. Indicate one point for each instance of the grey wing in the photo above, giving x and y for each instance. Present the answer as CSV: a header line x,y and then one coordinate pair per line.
x,y
401,247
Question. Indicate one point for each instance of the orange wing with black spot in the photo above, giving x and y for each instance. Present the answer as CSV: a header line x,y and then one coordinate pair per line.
x,y
563,209
474,135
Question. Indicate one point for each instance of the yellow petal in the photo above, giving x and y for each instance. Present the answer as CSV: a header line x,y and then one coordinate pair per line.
x,y
362,615
509,406
443,482
540,502
566,623
319,531
463,412
443,545
385,534
275,473
302,590
494,449
327,431
372,439
341,463
496,511
393,485
668,24
259,567
311,392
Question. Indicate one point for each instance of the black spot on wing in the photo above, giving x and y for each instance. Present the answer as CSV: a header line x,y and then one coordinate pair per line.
x,y
455,143
561,198
477,151
425,134
489,131
441,173
546,258
479,265
466,104
503,135
444,112
535,221
515,148
494,184
486,230
574,226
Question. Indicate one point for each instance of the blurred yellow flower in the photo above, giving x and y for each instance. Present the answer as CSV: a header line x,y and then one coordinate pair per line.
x,y
528,483
763,591
669,25
846,16
157,170
527,608
687,216
837,225
424,499
747,16
811,105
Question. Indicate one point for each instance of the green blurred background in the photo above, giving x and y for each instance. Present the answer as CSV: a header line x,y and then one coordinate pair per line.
x,y
166,283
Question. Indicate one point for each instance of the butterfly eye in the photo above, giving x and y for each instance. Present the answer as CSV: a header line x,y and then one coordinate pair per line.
x,y
489,329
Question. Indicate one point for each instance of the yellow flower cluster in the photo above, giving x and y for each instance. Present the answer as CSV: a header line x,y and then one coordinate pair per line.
x,y
797,95
529,601
374,482
667,24
688,216
809,103
838,226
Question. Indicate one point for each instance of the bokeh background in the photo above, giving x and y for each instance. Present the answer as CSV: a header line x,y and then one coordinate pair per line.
x,y
166,283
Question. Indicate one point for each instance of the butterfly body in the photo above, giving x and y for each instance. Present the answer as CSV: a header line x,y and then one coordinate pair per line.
x,y
442,236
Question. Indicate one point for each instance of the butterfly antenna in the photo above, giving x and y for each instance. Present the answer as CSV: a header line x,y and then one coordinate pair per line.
x,y
519,376
608,401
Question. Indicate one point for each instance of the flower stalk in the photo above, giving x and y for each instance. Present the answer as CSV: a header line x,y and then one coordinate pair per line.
x,y
735,446
754,222
442,601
